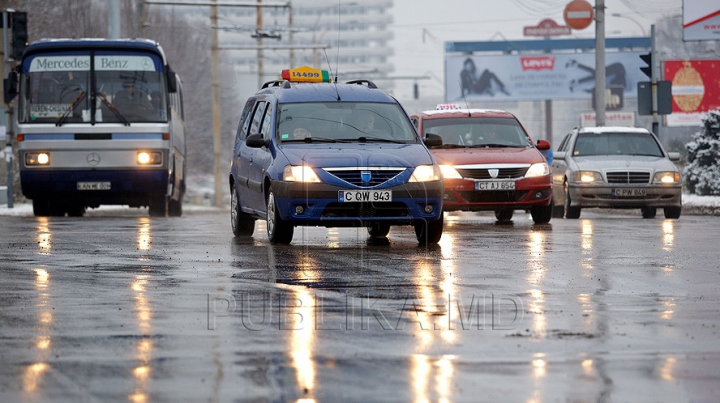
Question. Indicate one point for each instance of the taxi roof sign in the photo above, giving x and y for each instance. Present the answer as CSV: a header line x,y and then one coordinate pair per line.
x,y
305,74
447,107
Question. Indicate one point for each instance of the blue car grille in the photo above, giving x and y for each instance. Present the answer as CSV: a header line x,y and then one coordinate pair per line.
x,y
355,176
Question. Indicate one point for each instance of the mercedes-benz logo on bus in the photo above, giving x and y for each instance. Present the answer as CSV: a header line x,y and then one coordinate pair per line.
x,y
93,159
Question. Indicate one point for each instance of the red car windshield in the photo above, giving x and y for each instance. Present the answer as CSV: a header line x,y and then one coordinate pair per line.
x,y
478,132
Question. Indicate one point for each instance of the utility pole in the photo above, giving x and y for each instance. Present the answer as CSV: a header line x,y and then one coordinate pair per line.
x,y
600,62
259,49
217,143
7,65
114,19
655,73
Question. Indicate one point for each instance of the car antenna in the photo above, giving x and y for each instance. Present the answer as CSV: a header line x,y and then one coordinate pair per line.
x,y
337,57
331,74
465,99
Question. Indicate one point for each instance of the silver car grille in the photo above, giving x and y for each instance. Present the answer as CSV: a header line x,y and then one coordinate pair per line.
x,y
628,177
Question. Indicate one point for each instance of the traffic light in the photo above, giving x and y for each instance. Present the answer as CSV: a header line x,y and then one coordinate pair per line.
x,y
19,34
647,58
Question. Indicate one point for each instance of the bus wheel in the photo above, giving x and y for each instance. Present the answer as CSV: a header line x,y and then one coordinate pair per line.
x,y
175,208
41,208
75,210
158,206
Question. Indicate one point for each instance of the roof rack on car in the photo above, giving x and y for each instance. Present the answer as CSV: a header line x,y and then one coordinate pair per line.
x,y
369,83
276,83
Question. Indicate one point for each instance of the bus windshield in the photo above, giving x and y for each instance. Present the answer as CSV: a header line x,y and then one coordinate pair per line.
x,y
92,87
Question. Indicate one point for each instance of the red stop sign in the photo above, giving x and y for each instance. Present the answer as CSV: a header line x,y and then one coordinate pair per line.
x,y
578,14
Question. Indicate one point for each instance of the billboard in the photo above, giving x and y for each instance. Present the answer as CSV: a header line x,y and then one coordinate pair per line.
x,y
695,90
538,76
701,20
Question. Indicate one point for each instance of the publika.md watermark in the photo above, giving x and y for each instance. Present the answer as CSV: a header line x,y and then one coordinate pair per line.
x,y
261,311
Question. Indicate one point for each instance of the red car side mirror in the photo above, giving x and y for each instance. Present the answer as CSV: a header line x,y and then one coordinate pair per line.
x,y
543,145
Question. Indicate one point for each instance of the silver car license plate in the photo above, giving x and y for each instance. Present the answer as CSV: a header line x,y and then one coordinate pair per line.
x,y
629,192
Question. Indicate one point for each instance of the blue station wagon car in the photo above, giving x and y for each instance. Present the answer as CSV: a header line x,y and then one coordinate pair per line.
x,y
329,154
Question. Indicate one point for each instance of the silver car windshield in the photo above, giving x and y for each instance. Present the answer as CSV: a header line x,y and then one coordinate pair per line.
x,y
616,143
344,122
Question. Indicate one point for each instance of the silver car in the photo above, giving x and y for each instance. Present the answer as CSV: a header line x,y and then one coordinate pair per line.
x,y
615,167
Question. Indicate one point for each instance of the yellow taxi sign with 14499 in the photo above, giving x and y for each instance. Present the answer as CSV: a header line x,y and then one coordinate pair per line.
x,y
306,74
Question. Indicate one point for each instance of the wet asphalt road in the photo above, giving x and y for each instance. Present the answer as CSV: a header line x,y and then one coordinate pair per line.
x,y
126,308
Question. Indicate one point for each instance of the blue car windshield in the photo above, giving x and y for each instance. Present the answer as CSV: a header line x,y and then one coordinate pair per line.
x,y
615,143
344,122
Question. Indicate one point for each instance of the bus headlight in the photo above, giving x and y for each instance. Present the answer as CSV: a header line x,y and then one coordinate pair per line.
x,y
300,173
37,158
149,157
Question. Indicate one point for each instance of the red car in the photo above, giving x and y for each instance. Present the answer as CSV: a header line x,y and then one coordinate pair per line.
x,y
489,162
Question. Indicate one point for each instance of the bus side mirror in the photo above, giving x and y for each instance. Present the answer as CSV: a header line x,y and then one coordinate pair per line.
x,y
10,86
171,80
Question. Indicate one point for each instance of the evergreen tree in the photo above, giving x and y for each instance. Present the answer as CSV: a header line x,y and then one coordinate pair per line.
x,y
702,174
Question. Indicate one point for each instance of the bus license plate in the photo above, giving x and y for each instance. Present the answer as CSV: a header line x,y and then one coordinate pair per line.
x,y
359,196
499,185
93,186
629,192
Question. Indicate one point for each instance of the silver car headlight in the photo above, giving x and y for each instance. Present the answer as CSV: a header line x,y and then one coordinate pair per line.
x,y
300,173
538,169
587,176
666,177
426,173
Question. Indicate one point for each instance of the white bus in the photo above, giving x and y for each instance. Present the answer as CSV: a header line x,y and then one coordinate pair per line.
x,y
99,122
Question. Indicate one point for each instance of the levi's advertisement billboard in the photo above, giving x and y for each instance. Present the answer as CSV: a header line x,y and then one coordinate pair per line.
x,y
695,90
537,76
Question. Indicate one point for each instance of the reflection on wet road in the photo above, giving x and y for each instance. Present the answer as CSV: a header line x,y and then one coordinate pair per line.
x,y
130,308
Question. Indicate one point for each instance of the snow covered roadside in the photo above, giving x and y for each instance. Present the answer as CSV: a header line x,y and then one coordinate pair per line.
x,y
700,205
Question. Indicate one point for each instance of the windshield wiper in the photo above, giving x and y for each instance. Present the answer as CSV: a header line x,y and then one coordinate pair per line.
x,y
314,140
364,139
70,110
451,146
488,145
113,109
